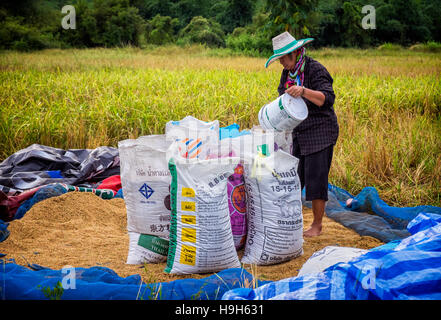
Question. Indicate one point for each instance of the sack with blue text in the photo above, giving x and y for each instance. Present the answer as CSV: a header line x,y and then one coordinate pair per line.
x,y
145,180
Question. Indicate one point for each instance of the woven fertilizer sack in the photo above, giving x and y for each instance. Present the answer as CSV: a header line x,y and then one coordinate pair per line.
x,y
201,239
237,206
241,146
145,248
194,136
275,221
235,147
283,139
329,256
145,180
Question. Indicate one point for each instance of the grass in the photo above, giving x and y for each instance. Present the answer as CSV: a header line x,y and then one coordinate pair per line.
x,y
155,289
430,46
388,103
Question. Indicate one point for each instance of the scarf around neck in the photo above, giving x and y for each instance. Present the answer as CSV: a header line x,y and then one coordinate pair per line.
x,y
296,76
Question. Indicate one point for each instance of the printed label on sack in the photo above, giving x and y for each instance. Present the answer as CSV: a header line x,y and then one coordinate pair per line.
x,y
188,219
216,180
279,241
146,190
188,235
237,205
238,199
159,228
269,258
188,206
151,194
151,172
154,244
188,255
188,192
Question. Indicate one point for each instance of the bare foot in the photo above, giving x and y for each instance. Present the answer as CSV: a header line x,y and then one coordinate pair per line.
x,y
313,231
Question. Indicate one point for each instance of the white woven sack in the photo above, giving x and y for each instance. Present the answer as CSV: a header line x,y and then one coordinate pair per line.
x,y
328,256
275,220
145,180
201,238
144,248
194,136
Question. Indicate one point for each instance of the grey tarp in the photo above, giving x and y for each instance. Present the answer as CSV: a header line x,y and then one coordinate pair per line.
x,y
38,165
25,171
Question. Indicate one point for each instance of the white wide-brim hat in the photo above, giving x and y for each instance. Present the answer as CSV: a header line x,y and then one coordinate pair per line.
x,y
285,43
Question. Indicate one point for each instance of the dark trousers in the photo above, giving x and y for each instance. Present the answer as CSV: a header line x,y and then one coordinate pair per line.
x,y
313,171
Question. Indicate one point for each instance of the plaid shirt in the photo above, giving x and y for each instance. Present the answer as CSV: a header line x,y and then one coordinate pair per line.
x,y
320,129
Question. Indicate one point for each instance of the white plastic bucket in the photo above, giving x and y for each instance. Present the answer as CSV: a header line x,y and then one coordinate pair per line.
x,y
283,114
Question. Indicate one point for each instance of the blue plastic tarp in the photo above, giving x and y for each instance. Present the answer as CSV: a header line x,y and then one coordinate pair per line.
x,y
408,269
100,283
4,232
368,200
369,215
232,131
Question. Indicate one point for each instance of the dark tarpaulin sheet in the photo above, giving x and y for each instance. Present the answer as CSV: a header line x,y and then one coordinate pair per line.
x,y
25,171
39,165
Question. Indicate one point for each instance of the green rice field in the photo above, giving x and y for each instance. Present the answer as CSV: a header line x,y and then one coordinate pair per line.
x,y
388,105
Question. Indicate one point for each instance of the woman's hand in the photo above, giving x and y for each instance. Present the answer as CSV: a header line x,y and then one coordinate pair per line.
x,y
316,97
295,91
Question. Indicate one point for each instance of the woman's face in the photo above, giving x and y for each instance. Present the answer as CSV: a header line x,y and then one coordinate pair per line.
x,y
288,61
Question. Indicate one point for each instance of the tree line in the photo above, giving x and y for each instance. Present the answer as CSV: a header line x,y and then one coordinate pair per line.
x,y
241,25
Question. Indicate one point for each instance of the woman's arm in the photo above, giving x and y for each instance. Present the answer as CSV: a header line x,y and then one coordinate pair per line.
x,y
316,97
319,91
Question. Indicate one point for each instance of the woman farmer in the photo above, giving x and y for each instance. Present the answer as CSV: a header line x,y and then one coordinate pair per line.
x,y
315,137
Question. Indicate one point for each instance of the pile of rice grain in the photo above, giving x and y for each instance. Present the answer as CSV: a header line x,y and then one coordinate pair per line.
x,y
82,230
